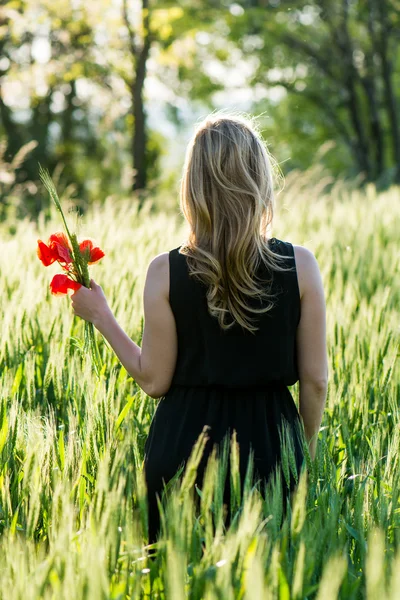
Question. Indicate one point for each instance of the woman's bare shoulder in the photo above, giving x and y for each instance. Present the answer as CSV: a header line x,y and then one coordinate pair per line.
x,y
303,254
308,273
158,273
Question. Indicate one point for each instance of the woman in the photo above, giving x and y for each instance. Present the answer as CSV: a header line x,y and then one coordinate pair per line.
x,y
232,317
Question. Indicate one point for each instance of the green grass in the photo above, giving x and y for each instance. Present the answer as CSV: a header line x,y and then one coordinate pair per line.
x,y
73,504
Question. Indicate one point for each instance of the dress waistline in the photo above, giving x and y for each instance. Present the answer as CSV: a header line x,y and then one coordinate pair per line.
x,y
222,386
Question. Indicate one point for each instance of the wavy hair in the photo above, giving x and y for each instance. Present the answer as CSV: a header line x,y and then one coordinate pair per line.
x,y
227,198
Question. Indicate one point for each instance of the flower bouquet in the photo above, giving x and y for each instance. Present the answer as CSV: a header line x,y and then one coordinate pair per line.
x,y
74,257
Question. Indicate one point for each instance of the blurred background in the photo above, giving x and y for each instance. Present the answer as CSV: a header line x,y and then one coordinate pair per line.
x,y
106,93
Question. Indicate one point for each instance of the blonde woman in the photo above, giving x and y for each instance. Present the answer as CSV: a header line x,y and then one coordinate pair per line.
x,y
232,318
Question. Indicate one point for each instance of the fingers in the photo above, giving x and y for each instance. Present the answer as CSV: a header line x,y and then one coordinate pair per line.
x,y
94,285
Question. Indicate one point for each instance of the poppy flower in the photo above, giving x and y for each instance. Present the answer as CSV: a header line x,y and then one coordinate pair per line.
x,y
91,251
45,253
57,248
60,284
59,243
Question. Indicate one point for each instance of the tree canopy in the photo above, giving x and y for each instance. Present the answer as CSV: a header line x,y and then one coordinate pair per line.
x,y
75,79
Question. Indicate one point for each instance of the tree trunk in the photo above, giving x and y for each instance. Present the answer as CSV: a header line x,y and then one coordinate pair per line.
x,y
11,130
139,140
370,89
136,85
351,76
67,122
390,98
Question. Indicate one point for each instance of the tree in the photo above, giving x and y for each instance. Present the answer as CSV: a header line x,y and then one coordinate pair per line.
x,y
139,52
338,56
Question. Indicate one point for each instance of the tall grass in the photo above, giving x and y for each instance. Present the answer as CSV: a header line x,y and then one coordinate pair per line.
x,y
73,513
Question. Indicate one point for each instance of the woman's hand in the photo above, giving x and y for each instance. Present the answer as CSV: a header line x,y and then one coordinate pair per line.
x,y
90,304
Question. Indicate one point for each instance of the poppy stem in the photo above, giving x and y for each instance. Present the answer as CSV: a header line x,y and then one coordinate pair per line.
x,y
49,185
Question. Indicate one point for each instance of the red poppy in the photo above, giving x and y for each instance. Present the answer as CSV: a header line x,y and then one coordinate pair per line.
x,y
60,284
59,242
45,253
57,248
91,251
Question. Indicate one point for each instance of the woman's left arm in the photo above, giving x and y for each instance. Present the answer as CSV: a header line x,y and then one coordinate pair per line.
x,y
152,365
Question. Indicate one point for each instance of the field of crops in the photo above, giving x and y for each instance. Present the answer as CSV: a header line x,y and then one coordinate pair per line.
x,y
73,504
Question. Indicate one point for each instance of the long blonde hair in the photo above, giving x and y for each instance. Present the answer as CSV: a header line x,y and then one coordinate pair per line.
x,y
227,198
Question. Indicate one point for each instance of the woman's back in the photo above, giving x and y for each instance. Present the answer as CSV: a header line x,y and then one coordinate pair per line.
x,y
209,355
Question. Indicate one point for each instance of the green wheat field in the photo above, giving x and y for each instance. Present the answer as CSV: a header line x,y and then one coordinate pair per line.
x,y
73,498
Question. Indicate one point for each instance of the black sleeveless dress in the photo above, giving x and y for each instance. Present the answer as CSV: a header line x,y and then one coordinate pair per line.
x,y
227,380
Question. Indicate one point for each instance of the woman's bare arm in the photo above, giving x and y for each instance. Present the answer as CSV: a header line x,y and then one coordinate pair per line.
x,y
311,345
152,365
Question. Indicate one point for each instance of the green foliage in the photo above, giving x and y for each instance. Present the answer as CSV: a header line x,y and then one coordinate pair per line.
x,y
332,67
318,71
73,516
